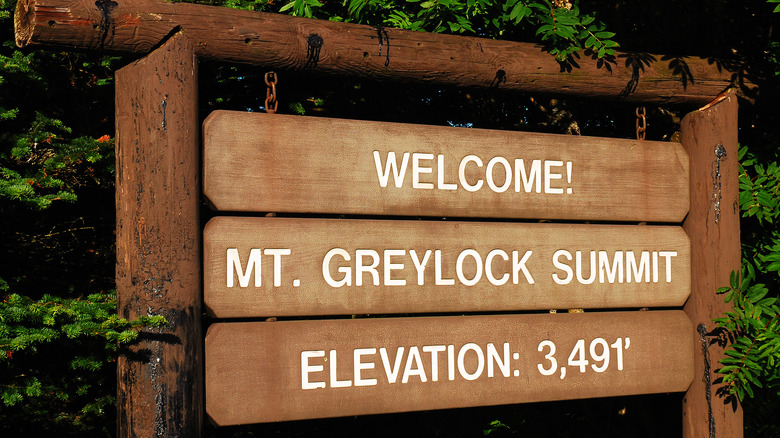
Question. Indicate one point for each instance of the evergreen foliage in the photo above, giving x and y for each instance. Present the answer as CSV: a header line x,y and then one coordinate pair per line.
x,y
752,330
54,354
57,355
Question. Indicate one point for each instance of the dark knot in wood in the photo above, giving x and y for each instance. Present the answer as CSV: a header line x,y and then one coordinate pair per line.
x,y
499,79
384,38
314,44
106,7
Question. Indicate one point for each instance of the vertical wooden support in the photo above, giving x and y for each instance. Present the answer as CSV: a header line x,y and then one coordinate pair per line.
x,y
158,241
710,137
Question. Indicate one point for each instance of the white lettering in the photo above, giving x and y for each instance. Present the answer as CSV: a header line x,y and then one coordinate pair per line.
x,y
462,363
459,267
616,268
361,268
442,185
346,270
667,255
392,374
277,253
234,267
493,357
360,366
549,176
334,381
533,178
439,281
638,269
414,356
451,362
613,267
389,267
420,265
519,265
462,173
306,369
489,267
417,170
507,174
562,266
398,175
592,268
655,267
434,350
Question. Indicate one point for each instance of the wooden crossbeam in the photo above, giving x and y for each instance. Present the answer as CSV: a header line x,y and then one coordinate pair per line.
x,y
291,43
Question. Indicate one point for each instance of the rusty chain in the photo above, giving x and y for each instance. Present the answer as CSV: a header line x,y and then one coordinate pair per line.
x,y
641,123
271,102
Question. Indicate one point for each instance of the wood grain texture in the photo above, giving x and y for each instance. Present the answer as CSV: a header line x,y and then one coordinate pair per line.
x,y
158,269
255,371
281,42
713,227
278,163
397,285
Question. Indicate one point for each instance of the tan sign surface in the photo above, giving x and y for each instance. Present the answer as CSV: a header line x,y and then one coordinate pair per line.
x,y
293,266
277,371
277,163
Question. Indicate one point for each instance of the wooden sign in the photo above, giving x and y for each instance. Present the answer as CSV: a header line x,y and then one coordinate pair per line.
x,y
293,266
276,163
277,371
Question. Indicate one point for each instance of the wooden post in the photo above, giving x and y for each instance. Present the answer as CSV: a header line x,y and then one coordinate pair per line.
x,y
710,137
158,241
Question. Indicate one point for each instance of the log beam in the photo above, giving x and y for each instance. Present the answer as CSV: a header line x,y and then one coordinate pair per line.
x,y
290,43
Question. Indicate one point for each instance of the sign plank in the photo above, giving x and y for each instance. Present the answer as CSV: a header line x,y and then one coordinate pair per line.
x,y
304,266
276,163
279,371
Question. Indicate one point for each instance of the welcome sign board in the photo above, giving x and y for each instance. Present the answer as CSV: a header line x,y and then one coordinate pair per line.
x,y
303,266
278,371
276,163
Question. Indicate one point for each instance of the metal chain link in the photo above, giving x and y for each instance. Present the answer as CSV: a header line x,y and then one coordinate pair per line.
x,y
271,102
641,123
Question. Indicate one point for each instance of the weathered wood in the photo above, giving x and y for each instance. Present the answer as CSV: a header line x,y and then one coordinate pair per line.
x,y
158,242
259,372
283,42
710,137
261,162
300,266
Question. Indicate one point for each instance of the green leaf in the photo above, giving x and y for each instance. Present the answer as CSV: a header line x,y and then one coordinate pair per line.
x,y
516,12
567,20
